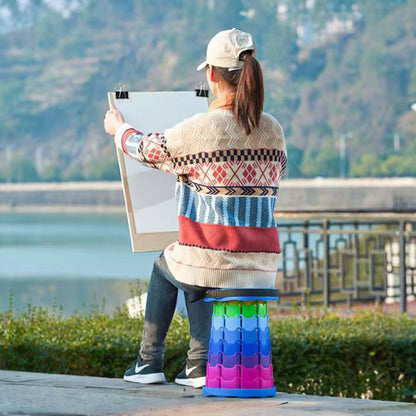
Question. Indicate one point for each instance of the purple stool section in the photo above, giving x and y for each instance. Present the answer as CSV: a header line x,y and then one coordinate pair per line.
x,y
214,359
266,360
248,361
231,360
237,377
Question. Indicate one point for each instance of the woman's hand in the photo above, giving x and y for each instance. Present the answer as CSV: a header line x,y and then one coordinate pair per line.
x,y
113,120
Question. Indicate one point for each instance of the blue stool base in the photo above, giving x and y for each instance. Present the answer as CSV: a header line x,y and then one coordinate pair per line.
x,y
215,391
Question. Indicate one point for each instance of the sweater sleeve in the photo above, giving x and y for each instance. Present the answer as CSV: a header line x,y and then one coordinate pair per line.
x,y
281,145
283,160
149,149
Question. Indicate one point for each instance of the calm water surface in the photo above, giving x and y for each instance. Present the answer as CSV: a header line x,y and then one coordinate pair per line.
x,y
68,259
74,260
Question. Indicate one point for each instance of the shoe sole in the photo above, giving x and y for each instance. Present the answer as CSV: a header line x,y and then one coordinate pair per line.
x,y
196,383
146,378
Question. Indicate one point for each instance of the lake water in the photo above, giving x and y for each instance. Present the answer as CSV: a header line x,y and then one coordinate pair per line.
x,y
74,260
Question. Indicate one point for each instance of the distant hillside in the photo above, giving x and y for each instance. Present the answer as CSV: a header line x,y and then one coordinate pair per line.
x,y
352,74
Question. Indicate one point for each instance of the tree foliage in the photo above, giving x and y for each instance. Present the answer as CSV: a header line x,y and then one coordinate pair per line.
x,y
57,63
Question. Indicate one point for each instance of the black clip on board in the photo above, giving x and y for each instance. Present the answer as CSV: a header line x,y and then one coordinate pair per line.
x,y
200,92
120,95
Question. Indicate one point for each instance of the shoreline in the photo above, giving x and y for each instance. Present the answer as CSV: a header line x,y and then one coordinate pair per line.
x,y
318,196
317,182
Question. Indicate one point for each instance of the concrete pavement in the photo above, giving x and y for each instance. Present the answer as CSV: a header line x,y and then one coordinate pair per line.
x,y
38,394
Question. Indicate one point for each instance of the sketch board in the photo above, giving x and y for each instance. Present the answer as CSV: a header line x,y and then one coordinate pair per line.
x,y
149,194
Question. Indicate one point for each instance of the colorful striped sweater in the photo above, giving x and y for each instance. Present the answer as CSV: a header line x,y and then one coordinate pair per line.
x,y
226,193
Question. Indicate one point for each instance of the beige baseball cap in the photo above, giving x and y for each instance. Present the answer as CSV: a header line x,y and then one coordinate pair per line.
x,y
225,47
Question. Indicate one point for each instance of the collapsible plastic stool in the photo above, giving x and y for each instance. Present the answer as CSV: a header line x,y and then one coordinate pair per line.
x,y
239,358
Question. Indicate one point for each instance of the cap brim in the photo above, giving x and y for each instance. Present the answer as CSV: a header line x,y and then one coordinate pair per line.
x,y
201,66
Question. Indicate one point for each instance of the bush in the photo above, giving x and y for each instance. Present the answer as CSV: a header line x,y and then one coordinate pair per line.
x,y
369,355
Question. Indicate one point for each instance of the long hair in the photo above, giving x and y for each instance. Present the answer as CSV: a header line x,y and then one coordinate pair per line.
x,y
249,91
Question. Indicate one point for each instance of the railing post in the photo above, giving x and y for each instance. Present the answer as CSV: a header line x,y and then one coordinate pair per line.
x,y
356,268
308,278
402,268
326,275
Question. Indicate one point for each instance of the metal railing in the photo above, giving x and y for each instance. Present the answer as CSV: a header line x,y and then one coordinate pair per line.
x,y
347,258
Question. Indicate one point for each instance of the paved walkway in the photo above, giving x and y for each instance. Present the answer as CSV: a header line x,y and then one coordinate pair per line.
x,y
38,394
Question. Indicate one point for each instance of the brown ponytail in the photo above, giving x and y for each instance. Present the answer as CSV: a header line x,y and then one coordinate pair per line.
x,y
249,91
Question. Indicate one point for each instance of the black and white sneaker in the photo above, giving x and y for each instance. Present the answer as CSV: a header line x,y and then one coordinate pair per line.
x,y
145,372
193,374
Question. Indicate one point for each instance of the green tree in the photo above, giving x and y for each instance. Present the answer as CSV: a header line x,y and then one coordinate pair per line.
x,y
55,71
295,156
73,173
99,170
51,173
321,162
367,165
21,169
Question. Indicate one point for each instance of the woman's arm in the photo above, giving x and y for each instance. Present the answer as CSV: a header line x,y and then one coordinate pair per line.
x,y
149,149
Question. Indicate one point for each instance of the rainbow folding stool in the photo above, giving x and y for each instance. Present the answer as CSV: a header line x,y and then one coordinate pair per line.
x,y
239,358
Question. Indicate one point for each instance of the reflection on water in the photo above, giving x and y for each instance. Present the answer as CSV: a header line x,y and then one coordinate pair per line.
x,y
66,259
71,260
72,295
69,246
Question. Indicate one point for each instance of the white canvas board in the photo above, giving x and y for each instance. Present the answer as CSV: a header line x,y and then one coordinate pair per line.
x,y
149,193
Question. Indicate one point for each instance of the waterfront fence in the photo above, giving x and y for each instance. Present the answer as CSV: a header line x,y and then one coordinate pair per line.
x,y
347,258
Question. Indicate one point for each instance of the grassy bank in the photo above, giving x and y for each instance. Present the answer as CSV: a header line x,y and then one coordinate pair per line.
x,y
369,355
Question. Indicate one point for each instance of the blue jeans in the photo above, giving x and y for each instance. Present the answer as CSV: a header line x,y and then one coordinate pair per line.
x,y
160,307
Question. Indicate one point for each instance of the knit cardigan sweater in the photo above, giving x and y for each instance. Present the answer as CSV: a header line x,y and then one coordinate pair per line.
x,y
226,193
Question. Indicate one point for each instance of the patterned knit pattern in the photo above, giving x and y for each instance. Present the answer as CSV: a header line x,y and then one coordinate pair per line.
x,y
226,194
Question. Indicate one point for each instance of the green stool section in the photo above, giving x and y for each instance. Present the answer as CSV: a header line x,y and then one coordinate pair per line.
x,y
249,309
262,309
234,308
218,308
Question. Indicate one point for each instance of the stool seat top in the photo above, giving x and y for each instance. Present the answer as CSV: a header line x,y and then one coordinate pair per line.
x,y
244,294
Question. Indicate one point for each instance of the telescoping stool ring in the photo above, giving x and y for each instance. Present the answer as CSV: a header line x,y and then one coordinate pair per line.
x,y
239,358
